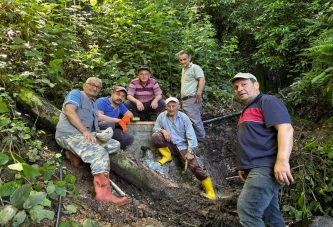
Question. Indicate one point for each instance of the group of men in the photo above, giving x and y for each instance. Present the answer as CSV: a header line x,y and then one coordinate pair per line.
x,y
90,131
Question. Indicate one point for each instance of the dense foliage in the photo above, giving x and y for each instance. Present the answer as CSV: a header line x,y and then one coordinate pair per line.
x,y
50,44
53,46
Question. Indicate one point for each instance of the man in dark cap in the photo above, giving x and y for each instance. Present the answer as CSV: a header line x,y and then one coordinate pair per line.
x,y
110,108
144,93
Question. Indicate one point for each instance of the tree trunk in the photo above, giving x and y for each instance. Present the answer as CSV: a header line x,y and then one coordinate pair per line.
x,y
44,113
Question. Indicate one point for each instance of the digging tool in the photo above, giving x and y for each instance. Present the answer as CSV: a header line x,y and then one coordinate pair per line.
x,y
186,164
118,190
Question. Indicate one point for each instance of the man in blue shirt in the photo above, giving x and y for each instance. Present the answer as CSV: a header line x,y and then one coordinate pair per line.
x,y
264,144
109,110
174,134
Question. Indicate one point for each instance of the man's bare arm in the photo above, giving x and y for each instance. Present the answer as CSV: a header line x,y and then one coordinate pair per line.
x,y
74,119
285,144
201,87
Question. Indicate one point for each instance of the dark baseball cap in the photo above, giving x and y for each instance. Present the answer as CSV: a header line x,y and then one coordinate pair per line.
x,y
144,67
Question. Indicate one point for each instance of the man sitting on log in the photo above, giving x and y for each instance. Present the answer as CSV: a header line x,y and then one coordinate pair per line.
x,y
110,108
174,134
77,132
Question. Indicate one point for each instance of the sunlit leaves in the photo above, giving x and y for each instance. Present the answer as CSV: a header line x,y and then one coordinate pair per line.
x,y
34,199
20,195
9,187
38,213
7,214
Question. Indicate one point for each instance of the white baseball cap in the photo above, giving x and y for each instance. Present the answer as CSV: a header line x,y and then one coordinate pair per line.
x,y
171,99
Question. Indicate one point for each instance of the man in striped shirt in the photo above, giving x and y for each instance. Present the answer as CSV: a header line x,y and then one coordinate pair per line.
x,y
144,94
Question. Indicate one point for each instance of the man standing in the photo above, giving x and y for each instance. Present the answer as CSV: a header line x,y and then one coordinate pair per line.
x,y
264,144
144,93
109,110
174,134
192,86
77,130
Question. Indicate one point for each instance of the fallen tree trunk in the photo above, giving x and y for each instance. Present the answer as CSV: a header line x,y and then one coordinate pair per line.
x,y
42,111
138,174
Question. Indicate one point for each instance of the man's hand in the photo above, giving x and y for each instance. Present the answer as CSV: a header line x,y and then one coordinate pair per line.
x,y
198,98
282,172
154,104
189,156
89,138
123,125
139,106
167,135
241,175
124,121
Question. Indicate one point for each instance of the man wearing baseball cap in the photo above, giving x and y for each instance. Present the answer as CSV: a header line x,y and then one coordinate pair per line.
x,y
174,134
264,144
110,108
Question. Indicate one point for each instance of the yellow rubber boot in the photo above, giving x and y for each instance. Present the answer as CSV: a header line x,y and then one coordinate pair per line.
x,y
208,186
166,155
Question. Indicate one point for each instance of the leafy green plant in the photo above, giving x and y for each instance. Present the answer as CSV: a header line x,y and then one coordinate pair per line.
x,y
110,40
312,191
86,223
29,187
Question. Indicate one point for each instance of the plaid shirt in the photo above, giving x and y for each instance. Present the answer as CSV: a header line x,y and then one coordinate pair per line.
x,y
144,93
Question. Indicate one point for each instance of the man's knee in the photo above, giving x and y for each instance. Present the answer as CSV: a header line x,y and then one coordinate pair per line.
x,y
128,139
158,139
106,124
129,105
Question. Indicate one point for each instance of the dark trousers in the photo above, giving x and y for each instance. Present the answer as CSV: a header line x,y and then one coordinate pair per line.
x,y
193,165
147,106
125,139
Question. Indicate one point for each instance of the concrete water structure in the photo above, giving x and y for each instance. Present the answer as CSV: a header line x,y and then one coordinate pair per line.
x,y
138,165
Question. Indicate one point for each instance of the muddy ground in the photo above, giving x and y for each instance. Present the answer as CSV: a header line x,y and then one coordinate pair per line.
x,y
161,209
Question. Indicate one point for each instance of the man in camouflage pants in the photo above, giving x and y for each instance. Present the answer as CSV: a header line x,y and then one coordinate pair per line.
x,y
77,131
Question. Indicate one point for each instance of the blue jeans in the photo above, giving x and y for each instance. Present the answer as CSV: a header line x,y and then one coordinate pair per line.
x,y
258,204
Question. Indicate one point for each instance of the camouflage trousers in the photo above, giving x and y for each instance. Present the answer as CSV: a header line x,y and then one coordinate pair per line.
x,y
97,155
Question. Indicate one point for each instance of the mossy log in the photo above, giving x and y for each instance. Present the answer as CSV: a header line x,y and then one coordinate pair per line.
x,y
37,107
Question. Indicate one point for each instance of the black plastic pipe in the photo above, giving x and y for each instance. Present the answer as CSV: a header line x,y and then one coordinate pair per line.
x,y
60,197
221,118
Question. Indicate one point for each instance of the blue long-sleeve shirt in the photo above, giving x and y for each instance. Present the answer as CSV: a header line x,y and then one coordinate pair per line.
x,y
183,135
